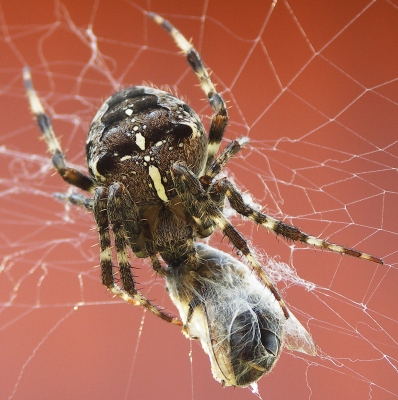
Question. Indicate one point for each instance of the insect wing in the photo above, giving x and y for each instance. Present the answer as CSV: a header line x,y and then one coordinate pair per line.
x,y
296,336
217,347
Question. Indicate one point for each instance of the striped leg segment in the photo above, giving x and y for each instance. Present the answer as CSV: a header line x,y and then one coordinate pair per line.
x,y
220,118
76,199
278,227
101,217
218,164
128,292
68,174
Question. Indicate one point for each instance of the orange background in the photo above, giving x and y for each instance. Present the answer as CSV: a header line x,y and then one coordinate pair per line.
x,y
314,84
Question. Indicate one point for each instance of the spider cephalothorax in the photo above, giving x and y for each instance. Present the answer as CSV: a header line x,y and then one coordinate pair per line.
x,y
153,176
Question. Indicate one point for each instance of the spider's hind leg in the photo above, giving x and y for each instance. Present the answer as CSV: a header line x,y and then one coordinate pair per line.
x,y
68,174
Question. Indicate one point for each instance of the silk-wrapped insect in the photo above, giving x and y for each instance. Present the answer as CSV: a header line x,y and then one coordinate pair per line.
x,y
237,319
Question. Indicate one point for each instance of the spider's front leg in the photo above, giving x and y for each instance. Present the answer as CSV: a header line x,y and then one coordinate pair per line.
x,y
220,118
106,207
68,174
290,232
202,208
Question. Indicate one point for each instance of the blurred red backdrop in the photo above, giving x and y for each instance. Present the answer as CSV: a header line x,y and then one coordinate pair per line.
x,y
313,84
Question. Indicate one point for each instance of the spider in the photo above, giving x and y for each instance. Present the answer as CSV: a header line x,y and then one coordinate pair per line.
x,y
154,187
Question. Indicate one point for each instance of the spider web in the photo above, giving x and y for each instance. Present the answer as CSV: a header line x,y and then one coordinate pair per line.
x,y
315,87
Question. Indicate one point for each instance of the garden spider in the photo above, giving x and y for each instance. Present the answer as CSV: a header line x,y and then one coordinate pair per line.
x,y
153,179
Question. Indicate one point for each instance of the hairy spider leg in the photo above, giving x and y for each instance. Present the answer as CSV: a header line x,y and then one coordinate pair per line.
x,y
289,232
68,174
199,204
107,202
218,164
125,209
76,199
220,118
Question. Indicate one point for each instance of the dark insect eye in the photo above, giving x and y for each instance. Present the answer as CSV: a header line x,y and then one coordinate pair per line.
x,y
255,340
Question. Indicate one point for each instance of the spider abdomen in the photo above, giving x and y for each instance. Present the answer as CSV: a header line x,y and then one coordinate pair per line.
x,y
135,138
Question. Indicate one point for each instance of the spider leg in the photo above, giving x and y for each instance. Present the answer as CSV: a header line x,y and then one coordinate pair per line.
x,y
215,168
154,259
133,225
130,220
128,293
68,174
218,164
76,199
127,211
205,226
280,228
220,118
199,204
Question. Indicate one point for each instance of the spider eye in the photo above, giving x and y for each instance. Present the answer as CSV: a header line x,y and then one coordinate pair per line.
x,y
270,341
